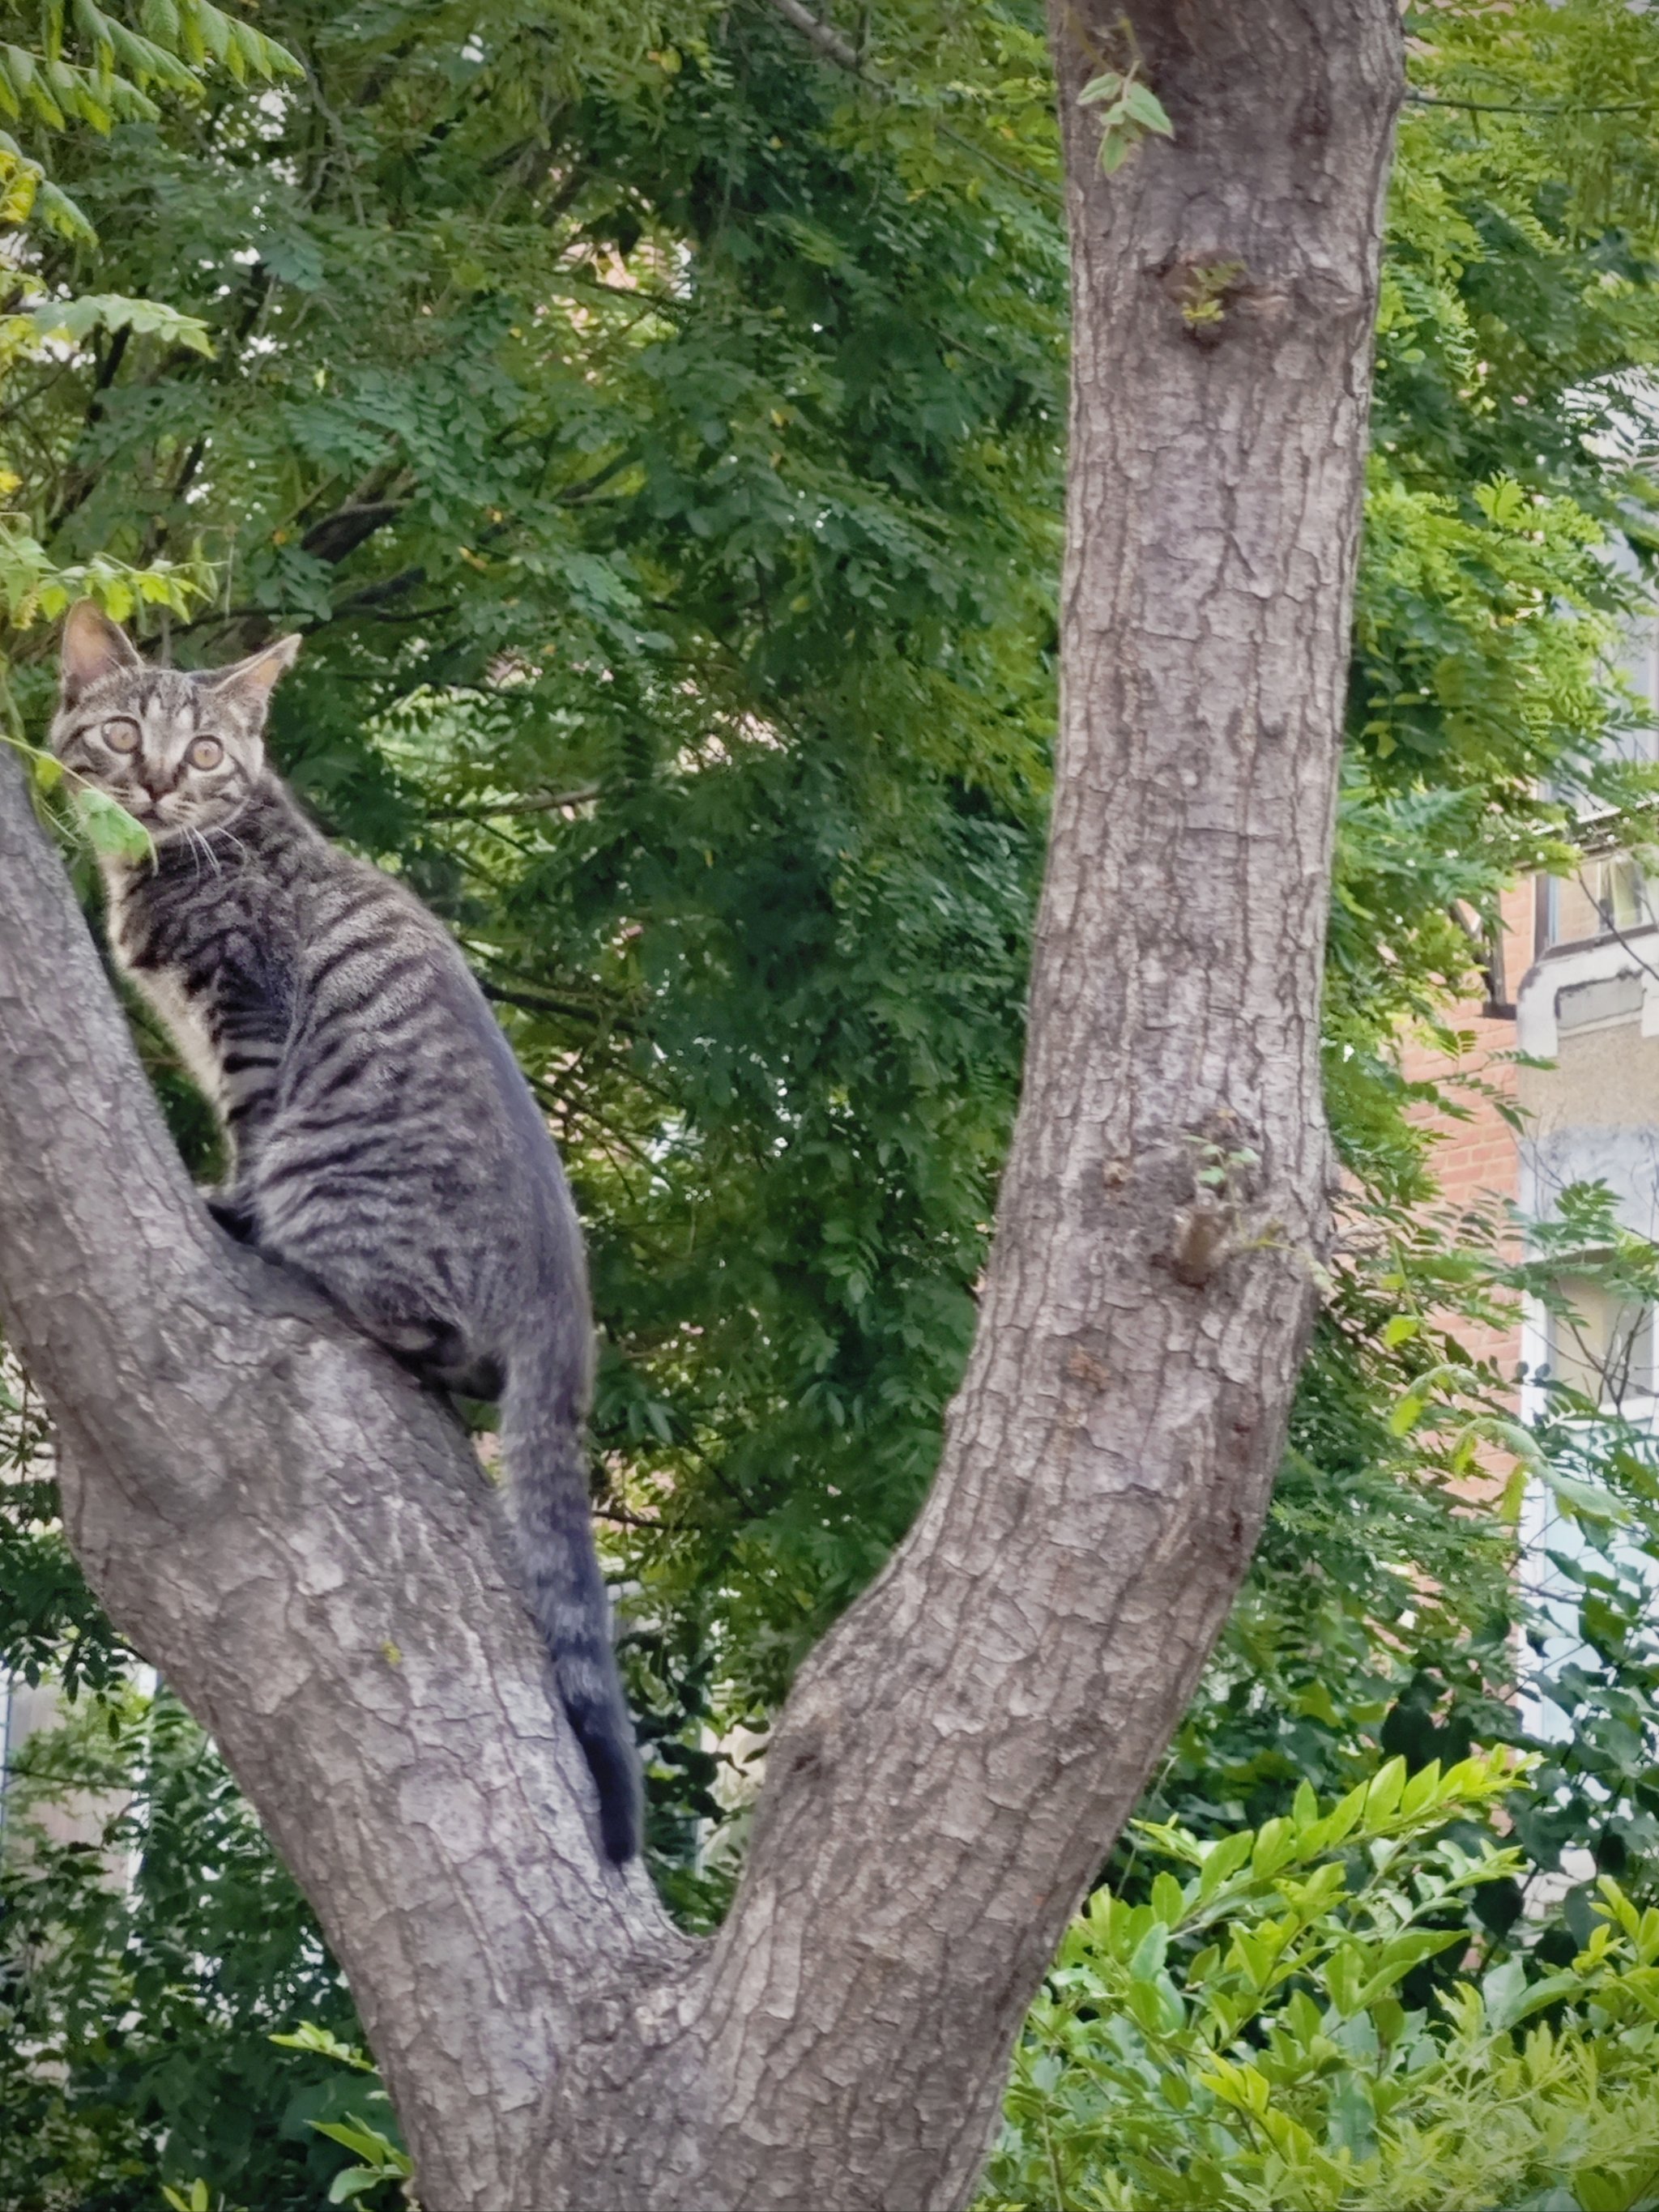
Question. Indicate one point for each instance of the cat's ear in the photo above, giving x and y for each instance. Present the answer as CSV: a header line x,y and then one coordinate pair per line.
x,y
93,647
249,682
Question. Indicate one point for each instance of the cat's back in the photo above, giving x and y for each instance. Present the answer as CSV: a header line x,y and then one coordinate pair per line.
x,y
389,1019
374,959
404,1126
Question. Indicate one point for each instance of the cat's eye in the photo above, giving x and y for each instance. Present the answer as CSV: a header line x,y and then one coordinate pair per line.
x,y
121,736
206,752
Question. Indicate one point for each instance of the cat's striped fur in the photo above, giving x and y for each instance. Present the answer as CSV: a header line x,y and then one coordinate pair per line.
x,y
386,1145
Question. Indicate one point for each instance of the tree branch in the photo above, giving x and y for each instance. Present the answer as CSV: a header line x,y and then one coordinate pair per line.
x,y
342,533
306,1545
957,1755
824,36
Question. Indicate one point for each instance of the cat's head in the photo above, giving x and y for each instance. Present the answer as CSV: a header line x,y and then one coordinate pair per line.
x,y
181,748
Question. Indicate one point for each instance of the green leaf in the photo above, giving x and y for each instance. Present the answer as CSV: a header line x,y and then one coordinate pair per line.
x,y
1341,1820
1273,1846
1147,1962
62,214
1509,1998
1169,1901
1407,1411
1586,1500
1398,1957
1116,148
367,2142
1385,1792
1143,104
1155,2005
1343,1976
1603,2189
1223,1860
109,828
355,2181
1502,501
77,318
308,2036
1421,1790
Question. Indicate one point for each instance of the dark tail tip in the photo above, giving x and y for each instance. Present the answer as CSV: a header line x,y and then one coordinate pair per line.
x,y
616,1770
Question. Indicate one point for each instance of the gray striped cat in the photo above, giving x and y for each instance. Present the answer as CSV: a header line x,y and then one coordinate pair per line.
x,y
386,1145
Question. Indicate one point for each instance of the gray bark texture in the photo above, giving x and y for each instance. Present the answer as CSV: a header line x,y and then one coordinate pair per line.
x,y
307,1549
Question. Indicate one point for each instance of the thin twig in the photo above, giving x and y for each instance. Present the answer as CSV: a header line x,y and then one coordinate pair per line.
x,y
547,802
1526,107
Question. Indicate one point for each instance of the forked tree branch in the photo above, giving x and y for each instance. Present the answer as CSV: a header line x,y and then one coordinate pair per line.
x,y
305,1547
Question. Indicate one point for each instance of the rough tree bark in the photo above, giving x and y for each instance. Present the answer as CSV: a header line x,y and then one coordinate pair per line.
x,y
306,1549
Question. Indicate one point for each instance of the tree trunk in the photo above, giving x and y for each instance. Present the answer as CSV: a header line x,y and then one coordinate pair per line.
x,y
305,1547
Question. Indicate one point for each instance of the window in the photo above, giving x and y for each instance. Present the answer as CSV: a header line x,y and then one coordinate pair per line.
x,y
1603,1348
1619,895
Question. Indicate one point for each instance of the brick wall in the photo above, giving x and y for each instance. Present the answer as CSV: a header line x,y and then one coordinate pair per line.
x,y
1477,1160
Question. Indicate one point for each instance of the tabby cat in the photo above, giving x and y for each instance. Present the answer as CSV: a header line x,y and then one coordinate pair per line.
x,y
384,1144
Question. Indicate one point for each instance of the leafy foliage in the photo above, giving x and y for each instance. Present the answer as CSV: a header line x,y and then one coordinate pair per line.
x,y
656,433
150,1944
383,2156
52,1626
1282,2031
1129,111
85,66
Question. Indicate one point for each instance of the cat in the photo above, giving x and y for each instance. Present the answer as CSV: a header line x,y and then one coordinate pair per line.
x,y
384,1144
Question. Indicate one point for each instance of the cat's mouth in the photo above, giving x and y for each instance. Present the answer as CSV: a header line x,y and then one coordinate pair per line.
x,y
156,815
150,817
143,807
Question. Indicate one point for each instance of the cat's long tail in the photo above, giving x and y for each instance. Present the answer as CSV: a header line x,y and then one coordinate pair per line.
x,y
547,1485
